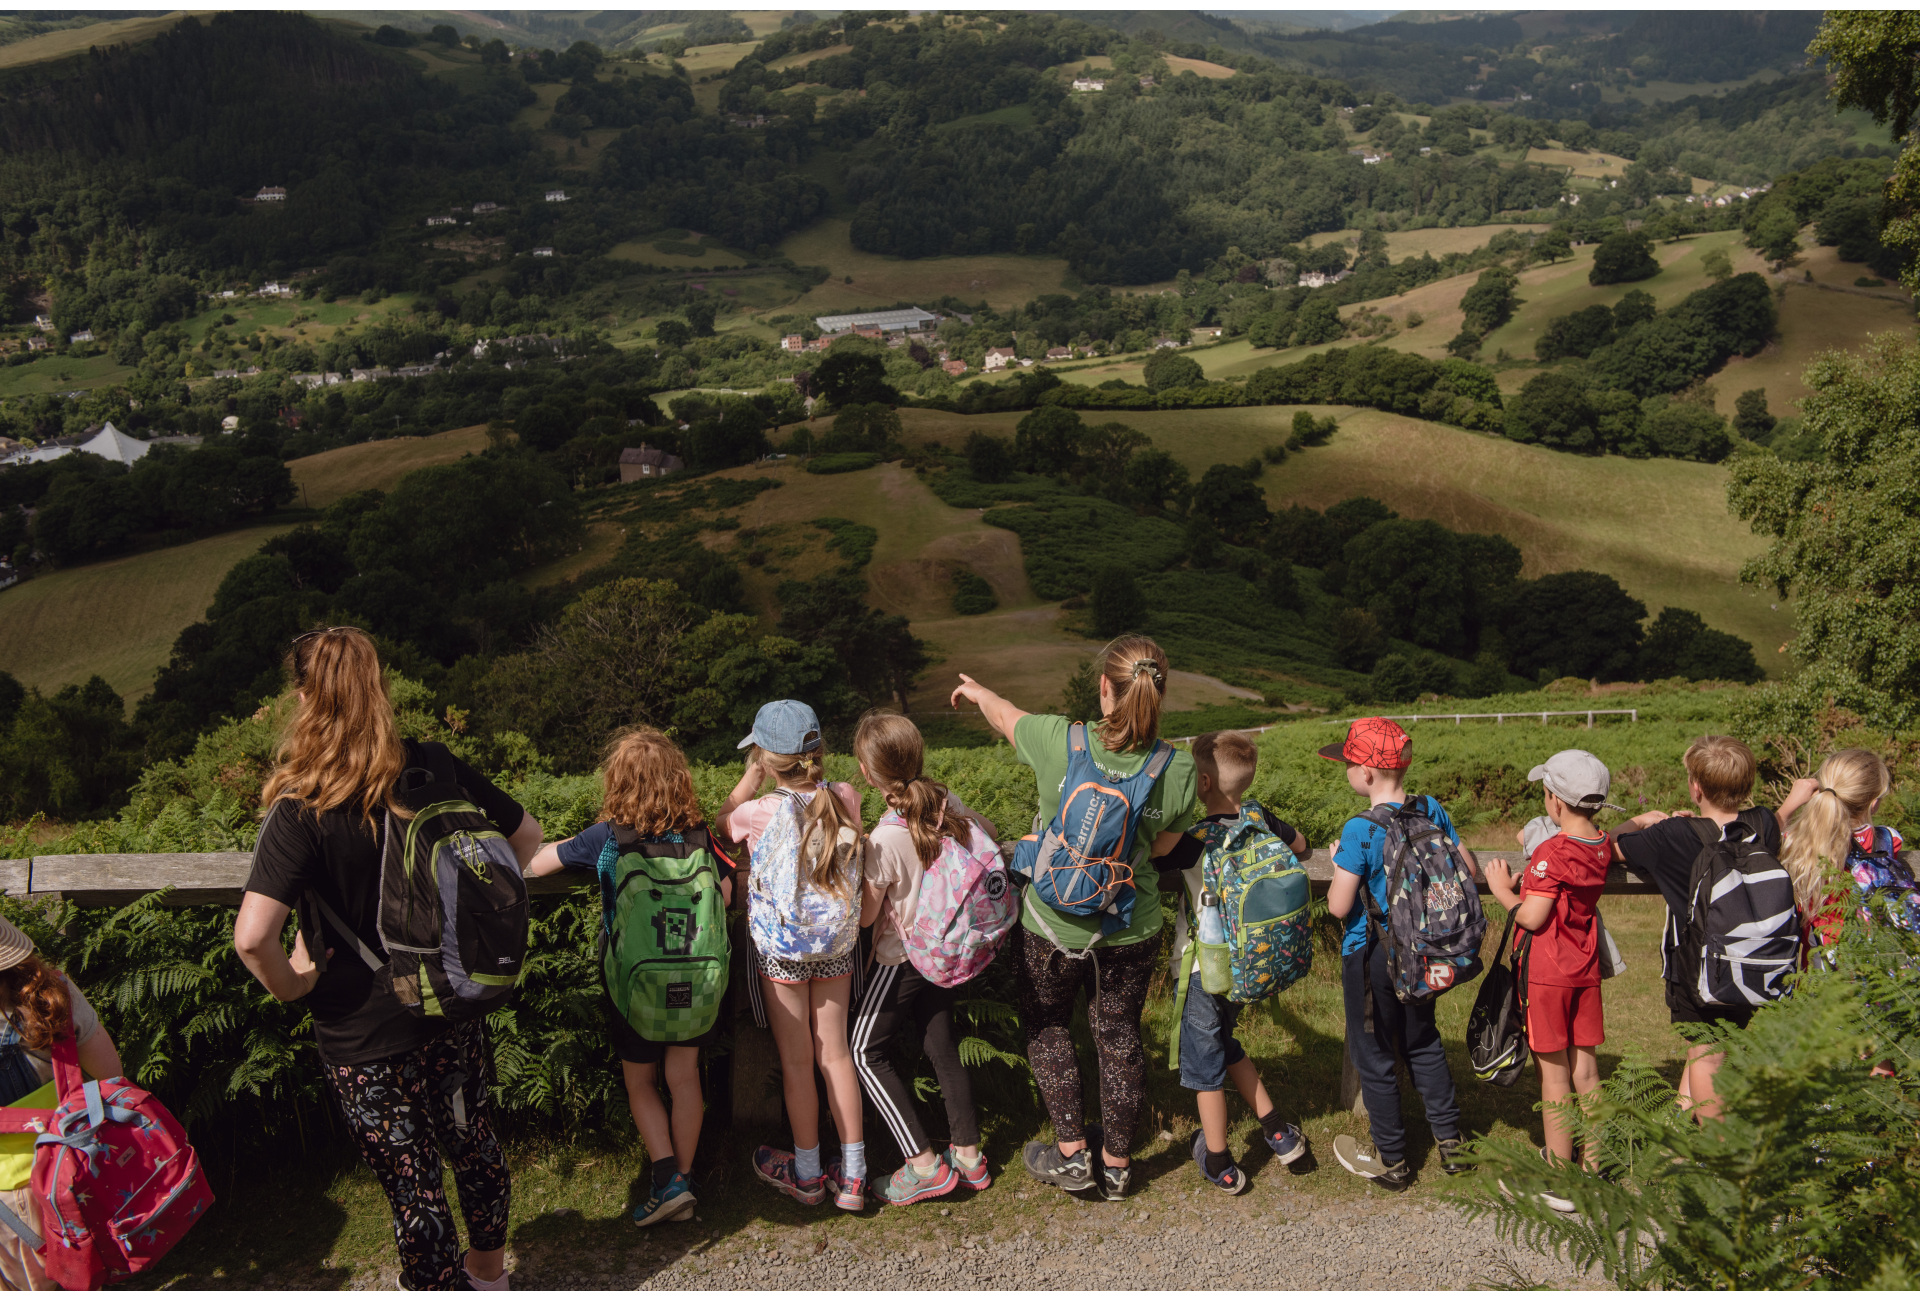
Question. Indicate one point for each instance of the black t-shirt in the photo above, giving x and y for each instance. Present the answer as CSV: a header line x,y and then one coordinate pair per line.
x,y
1664,852
356,1018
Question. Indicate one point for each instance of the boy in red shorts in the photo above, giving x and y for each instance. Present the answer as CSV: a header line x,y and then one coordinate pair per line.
x,y
1556,904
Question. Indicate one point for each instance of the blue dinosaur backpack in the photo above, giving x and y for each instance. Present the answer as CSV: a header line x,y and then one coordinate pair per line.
x,y
1264,910
1081,863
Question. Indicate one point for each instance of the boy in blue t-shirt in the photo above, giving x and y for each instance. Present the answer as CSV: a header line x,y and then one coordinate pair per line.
x,y
1377,752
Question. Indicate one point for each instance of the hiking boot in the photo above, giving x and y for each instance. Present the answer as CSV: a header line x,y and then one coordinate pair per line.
x,y
850,1194
776,1169
908,1185
1450,1162
1394,1177
1114,1180
672,1201
1288,1145
1229,1180
973,1176
1072,1173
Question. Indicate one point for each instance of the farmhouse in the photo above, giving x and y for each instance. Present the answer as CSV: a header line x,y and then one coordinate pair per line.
x,y
481,209
1059,354
556,196
84,336
1321,279
43,323
1088,84
998,358
888,322
440,221
647,462
544,250
271,194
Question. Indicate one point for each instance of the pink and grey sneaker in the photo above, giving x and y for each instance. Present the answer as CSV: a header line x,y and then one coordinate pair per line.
x,y
776,1169
908,1185
973,1176
850,1194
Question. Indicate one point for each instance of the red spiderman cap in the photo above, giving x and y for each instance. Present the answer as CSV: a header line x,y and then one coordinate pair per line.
x,y
1372,742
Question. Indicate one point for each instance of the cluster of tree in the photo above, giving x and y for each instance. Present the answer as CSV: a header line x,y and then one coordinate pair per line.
x,y
84,506
1843,199
1452,391
68,755
1584,332
1574,412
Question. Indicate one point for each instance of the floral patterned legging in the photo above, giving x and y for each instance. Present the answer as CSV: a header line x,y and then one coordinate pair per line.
x,y
397,1109
1050,981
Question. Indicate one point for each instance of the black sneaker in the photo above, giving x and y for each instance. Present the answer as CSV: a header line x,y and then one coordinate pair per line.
x,y
1073,1173
1450,1162
1114,1180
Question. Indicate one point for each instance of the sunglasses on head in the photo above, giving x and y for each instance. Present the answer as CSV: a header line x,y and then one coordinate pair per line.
x,y
322,631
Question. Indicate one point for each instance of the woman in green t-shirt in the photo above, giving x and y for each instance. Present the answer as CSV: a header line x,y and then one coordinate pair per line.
x,y
1057,953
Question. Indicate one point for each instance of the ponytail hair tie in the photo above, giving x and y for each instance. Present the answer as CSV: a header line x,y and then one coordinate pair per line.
x,y
1150,667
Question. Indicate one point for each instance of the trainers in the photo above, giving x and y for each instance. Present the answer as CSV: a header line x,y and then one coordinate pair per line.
x,y
908,1185
1450,1162
974,1177
1072,1173
1288,1145
850,1194
1229,1180
1554,1201
673,1201
1114,1180
1394,1177
776,1169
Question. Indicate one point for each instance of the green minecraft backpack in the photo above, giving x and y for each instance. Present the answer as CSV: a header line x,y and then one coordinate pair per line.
x,y
664,949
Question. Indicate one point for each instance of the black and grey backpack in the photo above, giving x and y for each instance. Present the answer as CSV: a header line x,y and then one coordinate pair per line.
x,y
1740,939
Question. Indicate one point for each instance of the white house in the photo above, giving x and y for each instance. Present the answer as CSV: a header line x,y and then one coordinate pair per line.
x,y
84,336
440,221
44,323
481,209
556,196
544,250
271,194
998,358
1088,83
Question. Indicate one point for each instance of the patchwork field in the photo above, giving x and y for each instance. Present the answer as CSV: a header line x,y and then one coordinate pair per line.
x,y
326,477
1660,527
1003,279
117,618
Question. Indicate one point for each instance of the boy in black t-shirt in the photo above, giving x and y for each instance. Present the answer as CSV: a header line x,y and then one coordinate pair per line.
x,y
1661,848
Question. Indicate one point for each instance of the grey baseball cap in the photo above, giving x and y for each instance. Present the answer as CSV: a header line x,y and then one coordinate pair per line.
x,y
784,727
1577,777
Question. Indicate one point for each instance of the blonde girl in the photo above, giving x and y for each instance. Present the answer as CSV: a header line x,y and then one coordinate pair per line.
x,y
806,1001
892,754
648,787
1827,816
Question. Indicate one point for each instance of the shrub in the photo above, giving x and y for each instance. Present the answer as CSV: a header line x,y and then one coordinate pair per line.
x,y
972,594
1624,256
1115,603
842,462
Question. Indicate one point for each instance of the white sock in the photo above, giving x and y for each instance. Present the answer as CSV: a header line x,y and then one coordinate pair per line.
x,y
806,1163
853,1159
498,1284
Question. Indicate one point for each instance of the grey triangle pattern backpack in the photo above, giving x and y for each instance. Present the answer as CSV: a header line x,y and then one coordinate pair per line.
x,y
1432,924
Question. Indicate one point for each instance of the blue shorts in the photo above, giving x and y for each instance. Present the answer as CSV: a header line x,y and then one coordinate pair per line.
x,y
1207,1044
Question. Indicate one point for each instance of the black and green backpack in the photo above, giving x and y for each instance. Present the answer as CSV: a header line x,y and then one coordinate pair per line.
x,y
664,950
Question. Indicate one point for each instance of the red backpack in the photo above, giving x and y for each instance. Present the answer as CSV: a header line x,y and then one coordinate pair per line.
x,y
115,1180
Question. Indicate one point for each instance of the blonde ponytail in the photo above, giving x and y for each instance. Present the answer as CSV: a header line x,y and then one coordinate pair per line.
x,y
822,863
1851,782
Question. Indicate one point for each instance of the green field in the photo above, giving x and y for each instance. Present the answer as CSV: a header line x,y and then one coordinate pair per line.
x,y
54,374
1661,527
327,476
117,618
77,40
1002,279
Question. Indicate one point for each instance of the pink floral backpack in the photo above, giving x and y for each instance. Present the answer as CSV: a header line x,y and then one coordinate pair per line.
x,y
967,906
115,1179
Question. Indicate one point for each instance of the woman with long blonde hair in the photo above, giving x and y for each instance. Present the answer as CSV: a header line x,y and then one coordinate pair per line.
x,y
403,1082
1059,954
1828,817
806,1000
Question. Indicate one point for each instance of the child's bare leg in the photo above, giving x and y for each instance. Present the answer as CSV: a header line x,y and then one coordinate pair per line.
x,y
1246,1080
649,1116
1586,1082
1556,1085
1213,1118
689,1107
1703,1062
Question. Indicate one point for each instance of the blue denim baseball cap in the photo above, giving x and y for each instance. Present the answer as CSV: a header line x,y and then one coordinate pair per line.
x,y
784,727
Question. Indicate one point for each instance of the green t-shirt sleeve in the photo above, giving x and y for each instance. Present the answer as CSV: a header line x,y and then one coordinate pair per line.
x,y
1039,736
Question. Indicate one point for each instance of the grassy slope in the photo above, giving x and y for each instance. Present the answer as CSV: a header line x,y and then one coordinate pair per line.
x,y
1659,526
60,45
1003,279
117,618
326,477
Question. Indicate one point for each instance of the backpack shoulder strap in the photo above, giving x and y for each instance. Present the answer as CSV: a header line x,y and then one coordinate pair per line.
x,y
1077,737
1882,840
332,918
1706,831
1157,761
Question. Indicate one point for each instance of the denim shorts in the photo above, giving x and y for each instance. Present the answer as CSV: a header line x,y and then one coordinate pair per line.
x,y
1207,1044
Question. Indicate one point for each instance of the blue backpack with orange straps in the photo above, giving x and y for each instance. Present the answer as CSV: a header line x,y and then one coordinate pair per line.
x,y
1082,862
